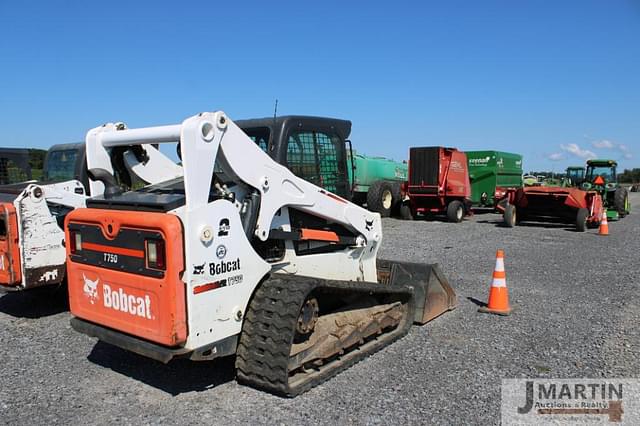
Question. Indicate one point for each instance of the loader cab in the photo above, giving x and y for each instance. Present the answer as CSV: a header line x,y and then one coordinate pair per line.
x,y
66,162
313,148
15,166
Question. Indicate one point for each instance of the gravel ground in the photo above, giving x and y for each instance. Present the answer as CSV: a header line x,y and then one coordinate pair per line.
x,y
576,314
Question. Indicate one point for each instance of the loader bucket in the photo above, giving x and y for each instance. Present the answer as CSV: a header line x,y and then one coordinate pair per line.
x,y
433,293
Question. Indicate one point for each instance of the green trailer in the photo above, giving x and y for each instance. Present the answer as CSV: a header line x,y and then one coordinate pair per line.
x,y
491,173
376,182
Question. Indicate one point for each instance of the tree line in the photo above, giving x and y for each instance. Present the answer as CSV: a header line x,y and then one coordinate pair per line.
x,y
629,176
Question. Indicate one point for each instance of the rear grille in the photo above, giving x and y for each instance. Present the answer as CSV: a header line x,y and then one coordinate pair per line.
x,y
424,165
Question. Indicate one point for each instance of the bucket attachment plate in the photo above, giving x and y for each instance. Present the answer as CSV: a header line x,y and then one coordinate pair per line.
x,y
433,293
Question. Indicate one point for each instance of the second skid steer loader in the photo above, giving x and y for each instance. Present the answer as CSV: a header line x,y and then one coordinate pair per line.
x,y
238,257
32,213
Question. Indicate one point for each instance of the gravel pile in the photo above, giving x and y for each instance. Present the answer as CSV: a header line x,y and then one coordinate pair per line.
x,y
576,315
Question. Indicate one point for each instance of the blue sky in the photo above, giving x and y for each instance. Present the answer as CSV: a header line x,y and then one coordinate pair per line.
x,y
556,81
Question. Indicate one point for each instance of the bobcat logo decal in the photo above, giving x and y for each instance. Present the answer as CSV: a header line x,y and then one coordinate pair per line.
x,y
368,224
198,269
90,289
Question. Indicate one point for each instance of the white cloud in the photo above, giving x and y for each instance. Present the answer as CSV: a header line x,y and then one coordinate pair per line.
x,y
607,144
574,149
556,156
603,144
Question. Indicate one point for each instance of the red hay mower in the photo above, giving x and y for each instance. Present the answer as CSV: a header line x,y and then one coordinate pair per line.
x,y
546,203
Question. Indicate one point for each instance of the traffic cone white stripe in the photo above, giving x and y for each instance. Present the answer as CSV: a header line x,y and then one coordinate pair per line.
x,y
499,264
499,282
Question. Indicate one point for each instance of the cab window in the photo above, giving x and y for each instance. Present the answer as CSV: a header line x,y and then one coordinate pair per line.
x,y
318,158
260,135
60,165
10,172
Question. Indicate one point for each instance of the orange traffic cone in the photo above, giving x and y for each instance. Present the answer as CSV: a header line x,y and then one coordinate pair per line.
x,y
604,225
498,294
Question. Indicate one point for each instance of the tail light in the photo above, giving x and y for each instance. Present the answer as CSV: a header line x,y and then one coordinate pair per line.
x,y
76,241
155,254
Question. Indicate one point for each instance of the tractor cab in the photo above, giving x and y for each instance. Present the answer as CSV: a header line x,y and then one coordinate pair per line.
x,y
601,176
601,173
575,175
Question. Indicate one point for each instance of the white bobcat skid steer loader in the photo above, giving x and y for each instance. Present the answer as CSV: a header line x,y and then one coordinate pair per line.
x,y
239,257
32,252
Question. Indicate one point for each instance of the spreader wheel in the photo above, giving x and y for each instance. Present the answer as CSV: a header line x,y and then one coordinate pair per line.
x,y
405,212
455,211
510,216
581,219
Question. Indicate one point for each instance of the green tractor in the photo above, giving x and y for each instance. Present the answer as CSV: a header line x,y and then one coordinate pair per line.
x,y
601,176
574,176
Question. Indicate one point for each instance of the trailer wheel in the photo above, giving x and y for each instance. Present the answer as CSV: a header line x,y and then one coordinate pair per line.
x,y
581,219
510,217
380,198
405,211
455,211
621,201
397,198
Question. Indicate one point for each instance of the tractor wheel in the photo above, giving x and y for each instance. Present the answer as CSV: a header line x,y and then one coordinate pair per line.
x,y
621,201
380,198
405,211
509,216
581,219
455,211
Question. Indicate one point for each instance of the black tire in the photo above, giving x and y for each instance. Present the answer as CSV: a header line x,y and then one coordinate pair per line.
x,y
396,192
455,211
405,211
510,216
620,201
397,198
581,219
380,198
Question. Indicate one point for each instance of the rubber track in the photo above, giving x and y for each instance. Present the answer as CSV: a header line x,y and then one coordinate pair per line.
x,y
269,327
